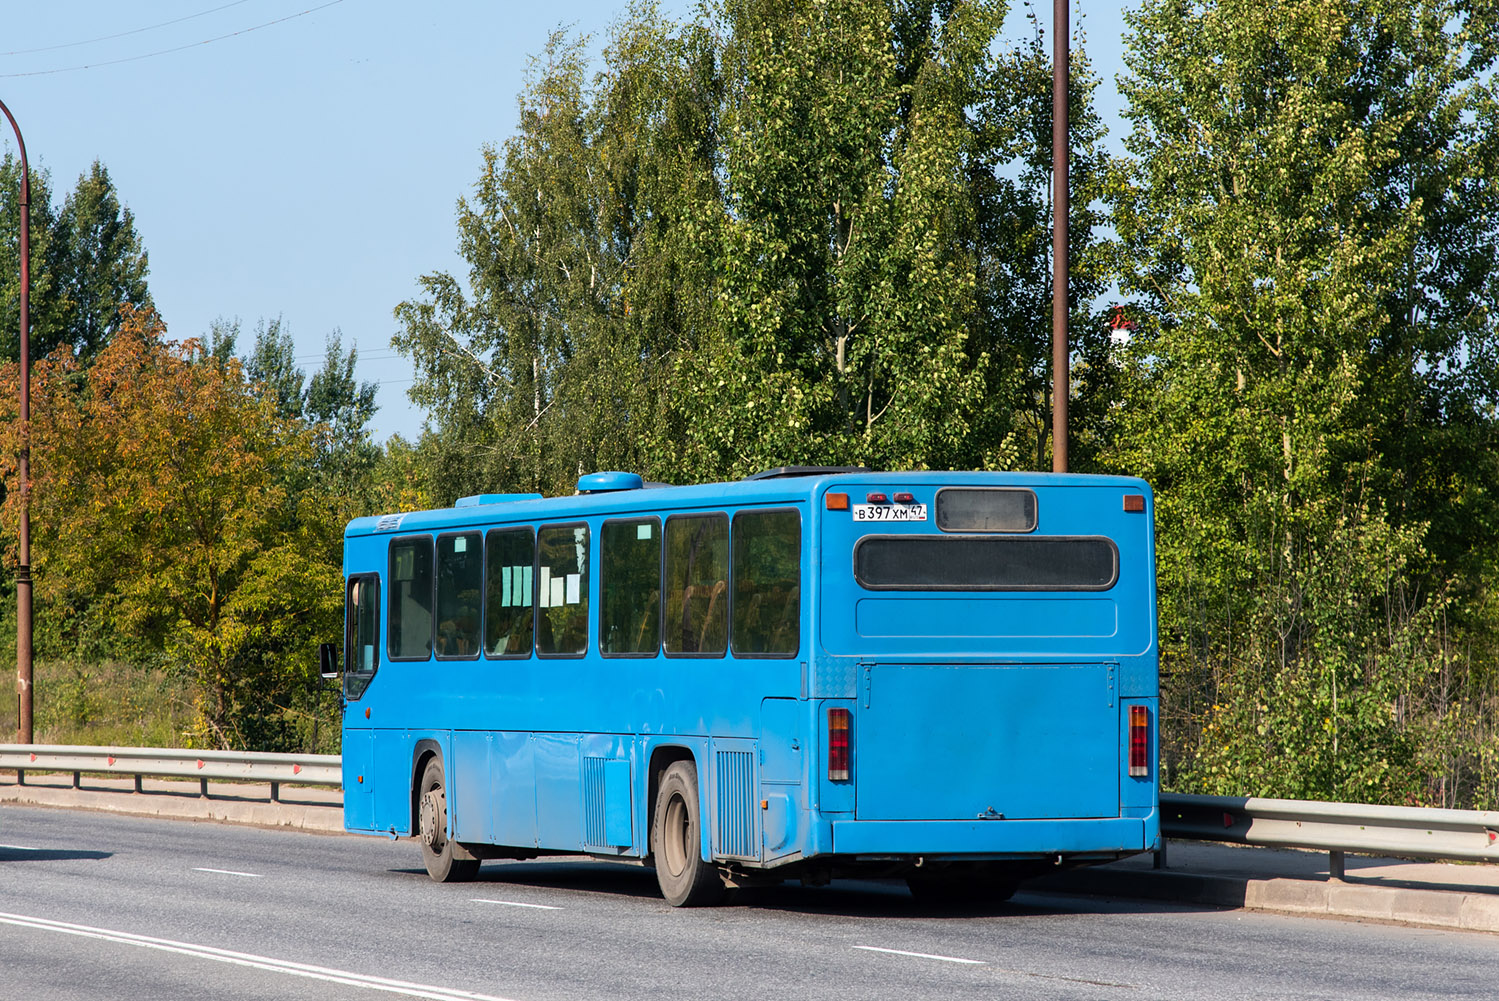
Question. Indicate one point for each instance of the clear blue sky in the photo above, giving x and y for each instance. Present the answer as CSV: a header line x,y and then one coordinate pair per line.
x,y
307,168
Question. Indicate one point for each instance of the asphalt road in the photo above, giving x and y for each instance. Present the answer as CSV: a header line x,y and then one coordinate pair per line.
x,y
96,906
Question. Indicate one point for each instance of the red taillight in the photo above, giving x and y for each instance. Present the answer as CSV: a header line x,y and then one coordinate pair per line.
x,y
838,744
1139,740
905,498
877,499
1134,503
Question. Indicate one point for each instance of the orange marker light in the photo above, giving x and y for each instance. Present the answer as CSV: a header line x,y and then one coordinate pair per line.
x,y
1134,503
837,502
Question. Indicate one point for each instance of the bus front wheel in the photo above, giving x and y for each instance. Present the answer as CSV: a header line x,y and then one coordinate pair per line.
x,y
685,879
447,861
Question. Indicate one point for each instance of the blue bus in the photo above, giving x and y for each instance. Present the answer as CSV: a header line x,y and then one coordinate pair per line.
x,y
811,673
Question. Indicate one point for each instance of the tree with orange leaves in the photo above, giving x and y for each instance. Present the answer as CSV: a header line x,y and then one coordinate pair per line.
x,y
159,503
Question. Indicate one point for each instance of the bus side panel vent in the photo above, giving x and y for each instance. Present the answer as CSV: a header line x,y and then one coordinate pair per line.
x,y
606,803
734,834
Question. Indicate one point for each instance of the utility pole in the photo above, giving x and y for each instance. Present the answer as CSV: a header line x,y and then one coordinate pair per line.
x,y
23,466
1060,381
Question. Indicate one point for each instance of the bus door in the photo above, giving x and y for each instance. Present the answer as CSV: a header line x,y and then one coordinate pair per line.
x,y
361,661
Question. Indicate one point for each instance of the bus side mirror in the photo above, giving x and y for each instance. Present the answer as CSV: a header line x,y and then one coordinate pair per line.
x,y
328,658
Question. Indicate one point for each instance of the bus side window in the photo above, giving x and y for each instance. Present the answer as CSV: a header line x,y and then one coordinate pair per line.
x,y
410,614
562,589
510,560
630,588
697,573
460,579
362,634
767,583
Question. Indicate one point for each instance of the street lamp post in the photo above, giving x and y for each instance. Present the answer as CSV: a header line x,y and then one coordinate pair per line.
x,y
23,466
1060,375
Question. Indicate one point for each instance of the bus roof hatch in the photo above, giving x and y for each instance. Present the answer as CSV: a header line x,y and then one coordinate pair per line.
x,y
598,483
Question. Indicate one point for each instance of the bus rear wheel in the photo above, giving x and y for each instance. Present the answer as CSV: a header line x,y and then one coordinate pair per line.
x,y
447,861
685,879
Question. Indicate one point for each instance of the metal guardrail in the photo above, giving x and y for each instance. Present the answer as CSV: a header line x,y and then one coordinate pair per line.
x,y
1415,832
160,762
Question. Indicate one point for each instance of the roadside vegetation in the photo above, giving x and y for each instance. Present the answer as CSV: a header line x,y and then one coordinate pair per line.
x,y
820,234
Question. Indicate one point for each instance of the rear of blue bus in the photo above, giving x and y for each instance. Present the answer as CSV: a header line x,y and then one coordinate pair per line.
x,y
984,676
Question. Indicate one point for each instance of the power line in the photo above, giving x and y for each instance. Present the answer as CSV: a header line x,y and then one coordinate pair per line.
x,y
122,34
179,48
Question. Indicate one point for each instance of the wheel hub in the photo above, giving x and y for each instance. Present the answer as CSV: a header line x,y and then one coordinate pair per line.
x,y
434,819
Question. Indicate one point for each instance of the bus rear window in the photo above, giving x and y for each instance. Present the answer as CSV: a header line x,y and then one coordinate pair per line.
x,y
966,509
947,563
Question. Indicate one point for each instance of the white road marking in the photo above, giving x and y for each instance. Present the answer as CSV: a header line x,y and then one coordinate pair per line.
x,y
246,959
922,955
514,903
230,872
21,848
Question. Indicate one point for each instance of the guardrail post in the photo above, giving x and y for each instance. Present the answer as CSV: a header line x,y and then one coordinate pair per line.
x,y
275,792
1335,865
20,776
203,788
1160,856
138,784
77,780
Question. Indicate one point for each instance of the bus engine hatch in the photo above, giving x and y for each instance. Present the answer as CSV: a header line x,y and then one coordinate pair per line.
x,y
987,742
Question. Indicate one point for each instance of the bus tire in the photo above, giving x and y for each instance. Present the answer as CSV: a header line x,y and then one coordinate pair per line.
x,y
685,879
446,861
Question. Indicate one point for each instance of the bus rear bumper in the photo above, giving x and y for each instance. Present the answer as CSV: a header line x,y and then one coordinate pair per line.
x,y
995,837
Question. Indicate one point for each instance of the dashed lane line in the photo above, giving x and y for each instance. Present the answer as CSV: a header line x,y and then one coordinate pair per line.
x,y
514,903
229,872
922,955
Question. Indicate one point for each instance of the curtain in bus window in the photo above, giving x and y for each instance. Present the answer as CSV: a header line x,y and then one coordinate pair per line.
x,y
411,598
767,583
697,573
562,589
630,591
510,557
460,580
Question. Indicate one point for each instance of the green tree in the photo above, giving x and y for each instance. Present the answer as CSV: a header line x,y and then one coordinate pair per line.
x,y
46,320
339,408
1310,224
554,356
86,262
750,240
99,260
272,367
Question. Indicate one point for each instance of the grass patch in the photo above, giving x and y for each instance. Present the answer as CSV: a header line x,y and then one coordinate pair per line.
x,y
104,704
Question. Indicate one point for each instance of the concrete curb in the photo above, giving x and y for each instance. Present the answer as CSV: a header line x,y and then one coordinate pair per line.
x,y
1452,909
184,805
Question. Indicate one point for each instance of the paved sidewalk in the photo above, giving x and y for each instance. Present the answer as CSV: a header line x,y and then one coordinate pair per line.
x,y
1435,894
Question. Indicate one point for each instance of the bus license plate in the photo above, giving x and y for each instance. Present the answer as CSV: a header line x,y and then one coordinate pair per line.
x,y
889,512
